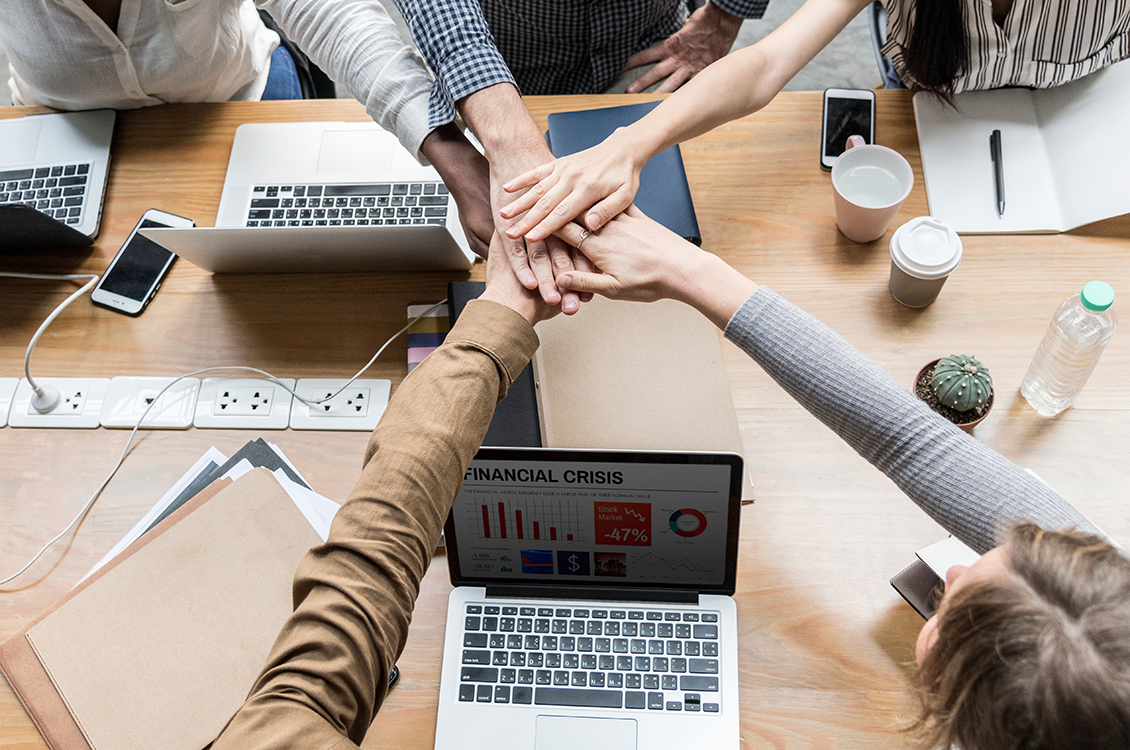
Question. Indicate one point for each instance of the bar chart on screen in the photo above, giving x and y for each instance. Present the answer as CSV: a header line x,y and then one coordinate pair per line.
x,y
537,519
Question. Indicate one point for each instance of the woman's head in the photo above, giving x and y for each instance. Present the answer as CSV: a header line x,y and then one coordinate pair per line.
x,y
1031,648
936,50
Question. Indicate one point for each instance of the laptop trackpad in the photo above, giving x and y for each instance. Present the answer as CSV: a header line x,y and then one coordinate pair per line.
x,y
354,151
569,733
20,137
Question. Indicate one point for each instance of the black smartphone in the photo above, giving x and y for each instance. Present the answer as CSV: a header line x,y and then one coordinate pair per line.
x,y
847,112
136,272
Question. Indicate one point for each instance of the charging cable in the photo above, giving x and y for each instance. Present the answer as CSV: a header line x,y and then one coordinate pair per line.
x,y
47,397
129,441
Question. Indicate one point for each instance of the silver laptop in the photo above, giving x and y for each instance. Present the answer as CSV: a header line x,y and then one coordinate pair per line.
x,y
325,196
592,603
58,165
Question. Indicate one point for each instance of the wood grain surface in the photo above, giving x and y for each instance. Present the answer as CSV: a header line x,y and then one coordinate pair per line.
x,y
825,642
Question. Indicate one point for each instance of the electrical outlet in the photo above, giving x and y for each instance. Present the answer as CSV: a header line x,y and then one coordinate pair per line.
x,y
7,393
243,403
358,407
80,403
128,398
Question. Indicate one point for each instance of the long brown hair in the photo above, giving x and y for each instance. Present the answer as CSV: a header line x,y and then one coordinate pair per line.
x,y
1039,659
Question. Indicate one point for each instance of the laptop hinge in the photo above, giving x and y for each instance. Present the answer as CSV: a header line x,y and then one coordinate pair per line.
x,y
624,594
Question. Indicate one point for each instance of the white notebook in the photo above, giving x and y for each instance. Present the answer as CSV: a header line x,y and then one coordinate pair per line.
x,y
1064,152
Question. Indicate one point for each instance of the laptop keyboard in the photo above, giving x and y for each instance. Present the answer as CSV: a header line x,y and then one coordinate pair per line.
x,y
642,659
60,192
375,204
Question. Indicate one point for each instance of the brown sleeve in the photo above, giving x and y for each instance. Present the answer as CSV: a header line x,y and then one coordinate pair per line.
x,y
354,595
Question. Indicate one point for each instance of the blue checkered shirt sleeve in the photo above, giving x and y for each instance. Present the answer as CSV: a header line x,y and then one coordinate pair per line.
x,y
454,39
743,8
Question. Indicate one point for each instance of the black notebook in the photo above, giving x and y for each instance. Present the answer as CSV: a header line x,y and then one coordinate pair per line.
x,y
664,193
515,423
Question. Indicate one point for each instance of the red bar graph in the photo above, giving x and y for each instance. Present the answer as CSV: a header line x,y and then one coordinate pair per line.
x,y
526,521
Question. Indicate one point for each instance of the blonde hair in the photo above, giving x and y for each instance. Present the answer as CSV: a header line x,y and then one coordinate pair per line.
x,y
1039,658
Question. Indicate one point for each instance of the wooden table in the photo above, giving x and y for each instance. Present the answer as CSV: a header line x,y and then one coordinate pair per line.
x,y
825,642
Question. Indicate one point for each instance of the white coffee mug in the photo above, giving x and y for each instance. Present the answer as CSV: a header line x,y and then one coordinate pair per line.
x,y
870,184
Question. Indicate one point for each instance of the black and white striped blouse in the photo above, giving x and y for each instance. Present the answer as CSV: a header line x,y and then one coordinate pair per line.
x,y
1042,43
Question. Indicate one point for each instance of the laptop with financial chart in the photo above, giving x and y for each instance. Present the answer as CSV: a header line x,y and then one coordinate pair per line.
x,y
592,606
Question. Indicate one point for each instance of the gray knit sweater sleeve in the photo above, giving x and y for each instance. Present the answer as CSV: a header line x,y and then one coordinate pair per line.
x,y
972,491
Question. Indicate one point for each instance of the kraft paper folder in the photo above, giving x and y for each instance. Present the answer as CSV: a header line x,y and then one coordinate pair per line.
x,y
161,646
628,375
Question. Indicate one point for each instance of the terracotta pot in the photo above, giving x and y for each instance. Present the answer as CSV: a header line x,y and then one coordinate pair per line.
x,y
951,414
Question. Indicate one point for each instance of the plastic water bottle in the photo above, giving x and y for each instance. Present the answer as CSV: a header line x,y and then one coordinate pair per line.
x,y
1070,350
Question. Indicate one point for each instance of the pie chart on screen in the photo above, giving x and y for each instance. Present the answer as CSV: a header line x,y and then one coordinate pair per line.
x,y
688,522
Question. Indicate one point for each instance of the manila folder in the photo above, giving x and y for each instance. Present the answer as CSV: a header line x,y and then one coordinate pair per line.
x,y
633,376
162,650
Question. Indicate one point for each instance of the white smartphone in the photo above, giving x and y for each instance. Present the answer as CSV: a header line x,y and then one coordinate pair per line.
x,y
136,272
847,112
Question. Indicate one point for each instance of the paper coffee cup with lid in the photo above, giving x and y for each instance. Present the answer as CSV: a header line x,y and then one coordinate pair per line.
x,y
924,252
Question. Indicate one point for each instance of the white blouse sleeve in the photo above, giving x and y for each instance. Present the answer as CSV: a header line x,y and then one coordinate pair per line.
x,y
356,43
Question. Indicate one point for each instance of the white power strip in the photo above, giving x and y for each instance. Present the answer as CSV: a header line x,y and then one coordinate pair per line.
x,y
233,403
80,404
127,399
358,407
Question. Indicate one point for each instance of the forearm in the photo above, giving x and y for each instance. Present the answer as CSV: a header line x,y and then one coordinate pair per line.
x,y
972,491
499,119
743,81
467,175
712,287
354,595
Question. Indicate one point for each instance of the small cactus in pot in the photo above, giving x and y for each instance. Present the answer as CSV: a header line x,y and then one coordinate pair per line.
x,y
958,387
961,382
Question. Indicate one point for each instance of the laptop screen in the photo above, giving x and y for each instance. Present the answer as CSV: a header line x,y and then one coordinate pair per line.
x,y
597,519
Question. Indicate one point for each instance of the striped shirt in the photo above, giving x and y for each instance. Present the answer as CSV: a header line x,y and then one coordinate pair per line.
x,y
542,46
1041,44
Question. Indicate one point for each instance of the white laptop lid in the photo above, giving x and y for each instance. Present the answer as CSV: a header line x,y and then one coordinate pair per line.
x,y
62,158
283,168
314,250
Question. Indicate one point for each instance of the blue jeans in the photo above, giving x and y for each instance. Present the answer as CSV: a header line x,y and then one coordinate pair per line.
x,y
282,78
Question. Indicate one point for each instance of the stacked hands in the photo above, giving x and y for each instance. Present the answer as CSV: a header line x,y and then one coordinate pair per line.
x,y
618,252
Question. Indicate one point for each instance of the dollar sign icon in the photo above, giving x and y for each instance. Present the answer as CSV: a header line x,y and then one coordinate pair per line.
x,y
574,566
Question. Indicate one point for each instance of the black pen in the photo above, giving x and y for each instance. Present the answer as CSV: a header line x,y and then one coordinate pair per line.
x,y
998,168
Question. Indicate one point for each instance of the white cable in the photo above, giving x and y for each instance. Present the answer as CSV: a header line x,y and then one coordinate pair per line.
x,y
93,279
129,442
368,364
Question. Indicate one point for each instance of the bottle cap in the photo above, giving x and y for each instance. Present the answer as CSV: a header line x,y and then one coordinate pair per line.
x,y
926,248
1097,296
